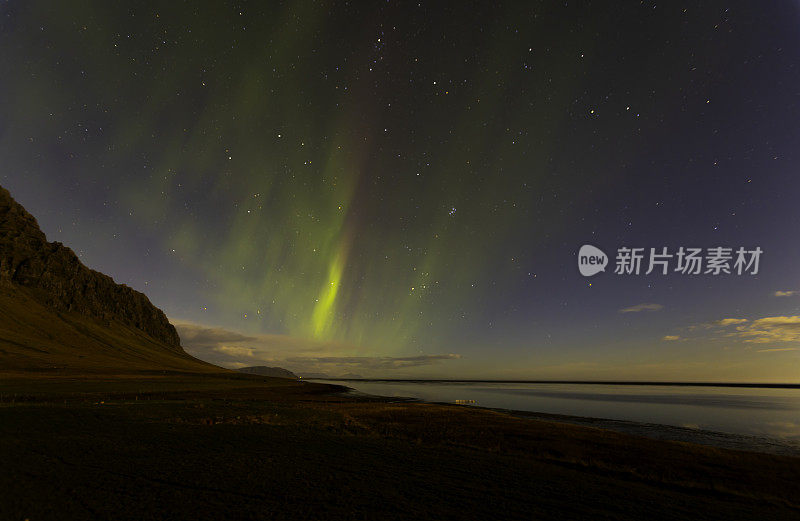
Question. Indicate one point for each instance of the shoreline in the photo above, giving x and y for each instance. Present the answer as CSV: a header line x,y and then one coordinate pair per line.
x,y
746,385
323,451
654,431
83,387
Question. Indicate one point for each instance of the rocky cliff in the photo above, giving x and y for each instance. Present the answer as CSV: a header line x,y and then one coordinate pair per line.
x,y
61,282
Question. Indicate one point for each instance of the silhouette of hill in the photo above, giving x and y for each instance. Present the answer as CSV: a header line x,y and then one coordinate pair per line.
x,y
55,313
263,370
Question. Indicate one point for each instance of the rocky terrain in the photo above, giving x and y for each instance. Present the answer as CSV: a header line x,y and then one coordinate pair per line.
x,y
58,280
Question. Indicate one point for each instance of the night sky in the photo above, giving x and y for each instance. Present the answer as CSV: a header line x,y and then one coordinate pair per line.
x,y
400,189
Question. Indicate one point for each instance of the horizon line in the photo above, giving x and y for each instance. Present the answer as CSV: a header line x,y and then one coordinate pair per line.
x,y
578,382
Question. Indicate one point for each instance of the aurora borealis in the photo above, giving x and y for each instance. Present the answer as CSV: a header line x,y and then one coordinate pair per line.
x,y
401,189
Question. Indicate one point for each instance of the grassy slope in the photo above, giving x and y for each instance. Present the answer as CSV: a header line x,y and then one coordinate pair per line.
x,y
35,338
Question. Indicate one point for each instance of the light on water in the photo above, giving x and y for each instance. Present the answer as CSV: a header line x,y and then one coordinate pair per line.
x,y
736,410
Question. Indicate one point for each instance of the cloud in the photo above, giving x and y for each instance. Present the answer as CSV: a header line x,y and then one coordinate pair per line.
x,y
776,349
197,335
233,349
751,331
376,362
787,293
770,329
729,321
236,351
642,307
671,338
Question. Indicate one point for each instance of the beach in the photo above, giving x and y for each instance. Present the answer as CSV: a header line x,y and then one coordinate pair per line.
x,y
205,447
761,418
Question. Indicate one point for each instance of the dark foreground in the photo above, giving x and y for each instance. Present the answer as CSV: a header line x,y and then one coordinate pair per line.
x,y
184,447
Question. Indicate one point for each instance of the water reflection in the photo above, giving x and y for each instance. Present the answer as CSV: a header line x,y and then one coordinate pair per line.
x,y
747,411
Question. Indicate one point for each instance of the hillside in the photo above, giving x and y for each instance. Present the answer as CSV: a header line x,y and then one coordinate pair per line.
x,y
55,313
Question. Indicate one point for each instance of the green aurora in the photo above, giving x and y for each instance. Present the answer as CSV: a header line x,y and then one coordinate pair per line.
x,y
399,181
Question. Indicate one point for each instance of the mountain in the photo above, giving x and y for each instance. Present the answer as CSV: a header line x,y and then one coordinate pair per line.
x,y
57,313
263,370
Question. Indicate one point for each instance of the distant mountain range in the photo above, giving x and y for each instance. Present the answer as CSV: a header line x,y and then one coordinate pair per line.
x,y
331,377
263,370
55,313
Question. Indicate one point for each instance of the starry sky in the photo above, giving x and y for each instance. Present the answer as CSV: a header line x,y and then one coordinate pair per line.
x,y
400,189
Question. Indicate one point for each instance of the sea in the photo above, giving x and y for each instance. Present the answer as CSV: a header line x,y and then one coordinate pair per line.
x,y
751,418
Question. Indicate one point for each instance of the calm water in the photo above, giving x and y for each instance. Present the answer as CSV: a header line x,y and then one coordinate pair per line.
x,y
749,411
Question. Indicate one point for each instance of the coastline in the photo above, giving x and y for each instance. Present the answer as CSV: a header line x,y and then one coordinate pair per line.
x,y
311,450
657,431
749,385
